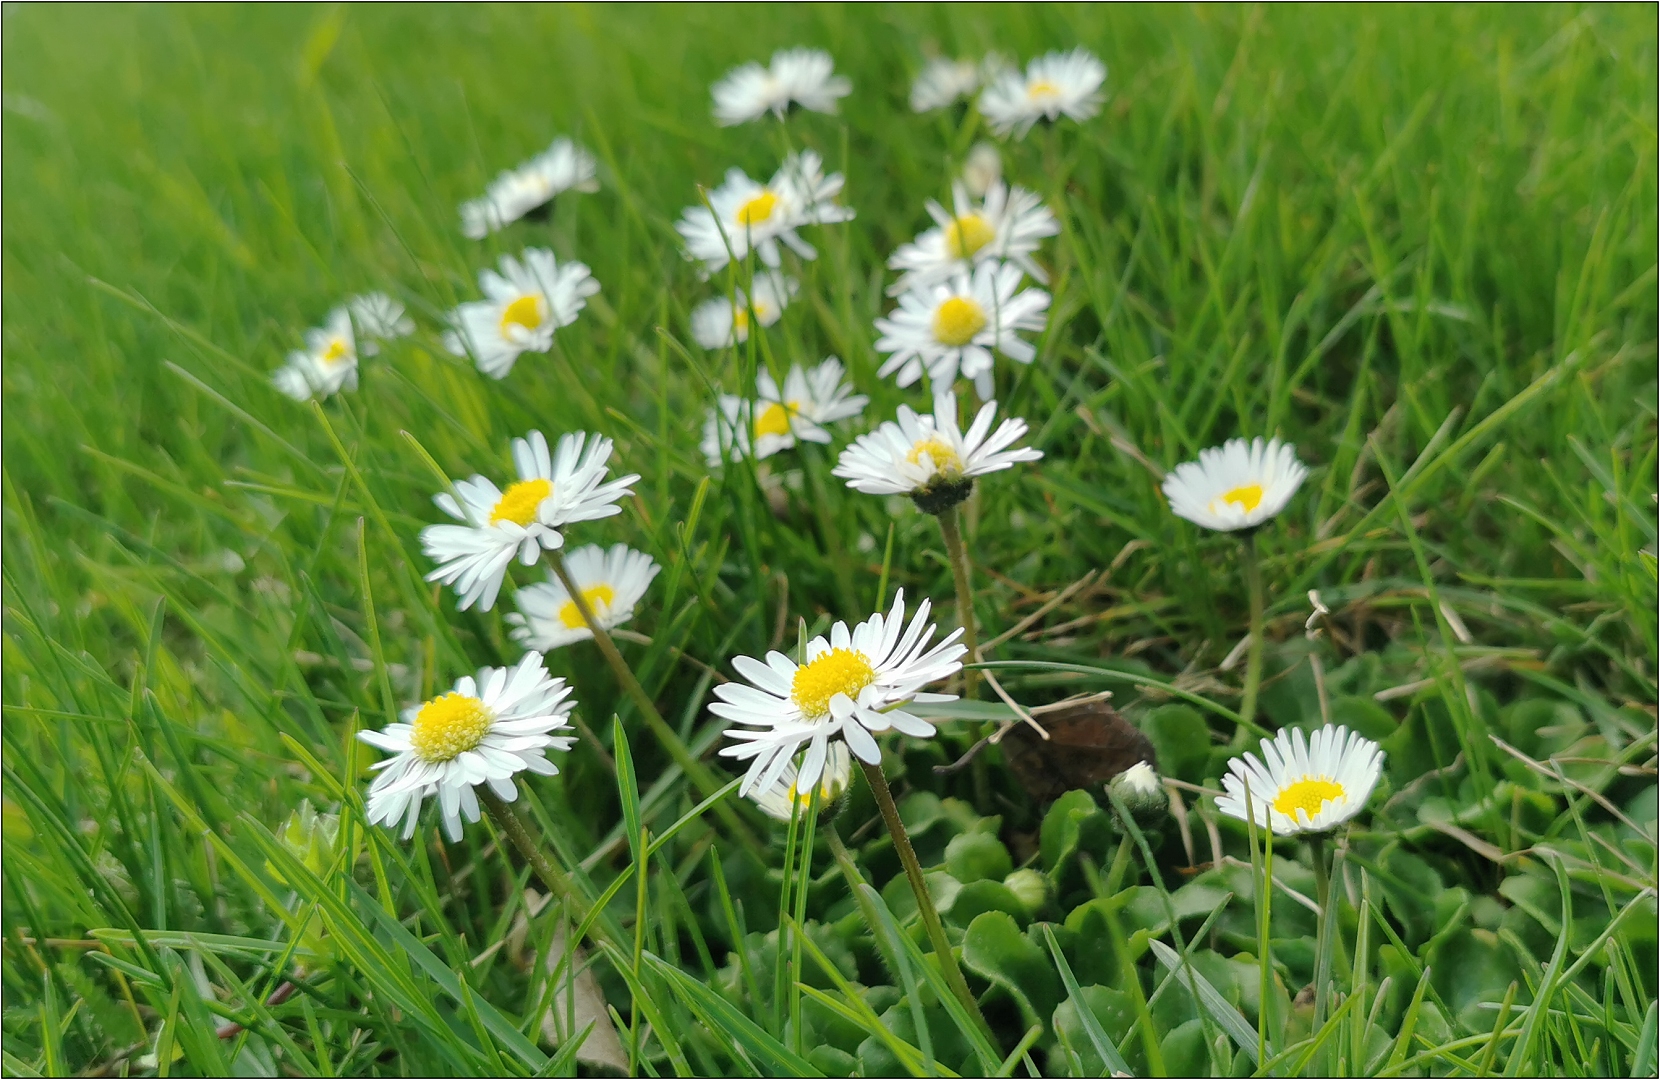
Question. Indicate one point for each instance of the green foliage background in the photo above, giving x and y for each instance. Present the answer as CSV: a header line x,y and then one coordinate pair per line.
x,y
1419,243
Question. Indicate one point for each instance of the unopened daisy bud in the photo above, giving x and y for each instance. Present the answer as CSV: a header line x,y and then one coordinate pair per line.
x,y
1141,792
983,168
1030,887
781,799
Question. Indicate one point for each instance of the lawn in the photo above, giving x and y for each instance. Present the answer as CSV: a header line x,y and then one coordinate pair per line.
x,y
1417,244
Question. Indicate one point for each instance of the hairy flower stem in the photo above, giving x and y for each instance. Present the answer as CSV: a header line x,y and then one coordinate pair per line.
x,y
1323,933
924,903
951,530
1253,657
513,826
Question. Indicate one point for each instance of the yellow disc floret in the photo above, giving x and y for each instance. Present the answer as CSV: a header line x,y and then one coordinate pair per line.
x,y
757,210
520,501
600,598
775,419
1043,90
946,462
958,320
968,234
839,671
1308,795
526,311
337,351
448,726
1246,496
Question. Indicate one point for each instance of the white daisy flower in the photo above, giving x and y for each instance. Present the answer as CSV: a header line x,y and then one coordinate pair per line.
x,y
743,214
551,492
781,799
484,731
379,318
1237,485
720,323
1010,224
525,304
943,82
983,168
810,400
954,327
611,581
1303,786
804,77
929,458
852,684
564,166
327,364
1054,85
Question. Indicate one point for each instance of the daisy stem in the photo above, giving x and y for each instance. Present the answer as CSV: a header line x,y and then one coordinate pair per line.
x,y
1253,656
925,905
951,530
1322,940
509,821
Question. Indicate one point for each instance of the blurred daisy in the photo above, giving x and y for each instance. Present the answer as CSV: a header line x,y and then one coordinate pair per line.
x,y
611,581
327,364
1237,485
1054,85
1010,224
983,168
379,318
743,214
720,322
954,327
1303,786
809,400
551,492
852,684
525,303
781,799
564,166
483,731
943,82
929,458
804,77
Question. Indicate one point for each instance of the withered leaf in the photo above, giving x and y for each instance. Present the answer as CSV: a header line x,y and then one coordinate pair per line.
x,y
1088,745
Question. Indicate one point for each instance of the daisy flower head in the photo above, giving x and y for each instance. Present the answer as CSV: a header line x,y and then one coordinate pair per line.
x,y
1009,224
530,298
553,490
1054,85
1237,485
612,582
379,318
786,798
942,82
1303,785
983,168
743,214
929,458
810,400
514,193
327,364
721,322
954,327
804,77
484,731
851,685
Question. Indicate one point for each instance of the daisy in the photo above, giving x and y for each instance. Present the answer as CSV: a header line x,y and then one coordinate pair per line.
x,y
327,364
851,685
943,82
379,318
743,214
525,304
1054,85
482,732
781,799
1237,485
720,322
810,400
611,581
929,458
551,492
564,166
983,168
1009,224
1303,786
952,327
804,77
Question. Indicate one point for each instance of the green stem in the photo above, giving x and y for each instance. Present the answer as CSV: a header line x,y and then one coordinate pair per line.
x,y
960,574
1253,660
512,825
924,903
1322,955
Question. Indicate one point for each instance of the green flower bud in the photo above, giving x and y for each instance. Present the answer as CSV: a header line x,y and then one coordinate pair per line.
x,y
1142,793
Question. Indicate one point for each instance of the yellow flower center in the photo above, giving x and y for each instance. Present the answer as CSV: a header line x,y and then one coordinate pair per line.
x,y
945,459
1247,497
519,502
958,320
839,671
1043,90
1308,795
775,418
968,234
740,320
526,311
337,351
599,597
448,726
757,210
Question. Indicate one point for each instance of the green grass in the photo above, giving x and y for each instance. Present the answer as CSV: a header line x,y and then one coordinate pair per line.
x,y
1419,243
